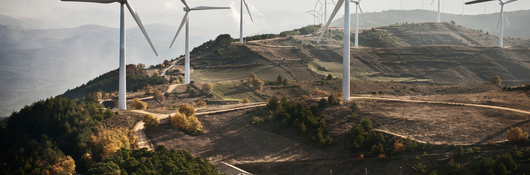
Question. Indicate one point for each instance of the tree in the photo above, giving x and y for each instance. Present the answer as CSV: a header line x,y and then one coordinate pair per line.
x,y
501,169
65,165
273,102
156,74
150,121
285,82
245,100
495,80
516,134
140,66
366,123
187,109
207,88
179,121
279,79
167,63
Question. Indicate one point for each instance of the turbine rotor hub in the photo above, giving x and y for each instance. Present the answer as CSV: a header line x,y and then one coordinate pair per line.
x,y
121,1
187,9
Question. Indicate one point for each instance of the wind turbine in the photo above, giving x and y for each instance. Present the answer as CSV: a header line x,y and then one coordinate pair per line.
x,y
186,18
346,49
241,22
357,8
501,19
314,14
122,81
438,19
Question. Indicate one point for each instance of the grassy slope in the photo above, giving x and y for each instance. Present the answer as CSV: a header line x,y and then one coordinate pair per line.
x,y
228,91
264,72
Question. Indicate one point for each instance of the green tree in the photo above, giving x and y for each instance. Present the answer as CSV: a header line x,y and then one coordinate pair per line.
x,y
366,123
273,103
501,169
496,80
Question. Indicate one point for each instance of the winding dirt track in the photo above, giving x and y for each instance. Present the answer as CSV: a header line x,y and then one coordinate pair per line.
x,y
144,142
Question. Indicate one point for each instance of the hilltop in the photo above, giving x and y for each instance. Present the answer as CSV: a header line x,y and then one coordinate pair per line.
x,y
439,53
516,27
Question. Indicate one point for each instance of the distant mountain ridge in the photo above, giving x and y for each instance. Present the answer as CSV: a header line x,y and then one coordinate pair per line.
x,y
516,23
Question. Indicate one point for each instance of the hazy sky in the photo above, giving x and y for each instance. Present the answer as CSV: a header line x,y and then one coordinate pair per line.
x,y
270,16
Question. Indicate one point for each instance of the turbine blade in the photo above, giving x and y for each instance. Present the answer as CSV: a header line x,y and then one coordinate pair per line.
x,y
180,28
445,1
432,1
500,16
96,1
184,2
477,1
139,22
337,8
209,8
509,1
248,10
362,15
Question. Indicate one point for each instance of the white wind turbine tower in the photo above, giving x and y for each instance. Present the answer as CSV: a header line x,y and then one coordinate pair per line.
x,y
122,81
501,18
438,19
357,8
346,51
187,9
241,22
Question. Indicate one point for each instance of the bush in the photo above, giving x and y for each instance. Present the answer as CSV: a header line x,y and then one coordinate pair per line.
x,y
159,95
377,149
245,100
399,147
189,124
207,88
319,92
496,80
353,107
255,120
150,121
137,104
200,103
516,135
186,109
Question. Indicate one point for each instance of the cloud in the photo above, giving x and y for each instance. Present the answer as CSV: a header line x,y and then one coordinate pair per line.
x,y
170,5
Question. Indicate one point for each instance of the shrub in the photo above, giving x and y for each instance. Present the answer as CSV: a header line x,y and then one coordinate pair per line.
x,y
159,95
207,88
108,113
516,135
428,145
255,120
366,123
377,149
148,89
495,80
200,103
322,103
421,168
399,147
329,77
382,156
137,104
353,107
319,92
361,157
189,124
245,100
186,109
150,121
